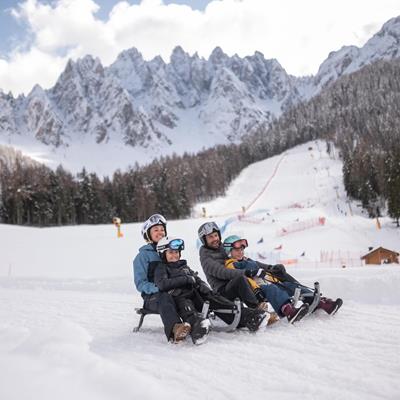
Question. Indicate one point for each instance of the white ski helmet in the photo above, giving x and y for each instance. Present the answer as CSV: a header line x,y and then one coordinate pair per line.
x,y
155,219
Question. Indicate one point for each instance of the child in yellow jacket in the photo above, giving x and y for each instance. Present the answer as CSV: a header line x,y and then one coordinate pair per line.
x,y
265,281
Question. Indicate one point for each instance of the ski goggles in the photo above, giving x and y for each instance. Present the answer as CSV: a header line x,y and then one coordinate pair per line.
x,y
174,244
157,219
239,244
207,228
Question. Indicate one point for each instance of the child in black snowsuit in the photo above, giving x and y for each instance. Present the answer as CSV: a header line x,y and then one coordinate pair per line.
x,y
190,292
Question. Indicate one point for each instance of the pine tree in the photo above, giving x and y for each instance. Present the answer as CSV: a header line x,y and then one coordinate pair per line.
x,y
393,185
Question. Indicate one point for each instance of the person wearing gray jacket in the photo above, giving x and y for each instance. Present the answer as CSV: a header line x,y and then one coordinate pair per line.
x,y
230,283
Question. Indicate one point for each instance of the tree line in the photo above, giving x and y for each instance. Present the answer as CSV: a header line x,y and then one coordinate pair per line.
x,y
36,195
357,113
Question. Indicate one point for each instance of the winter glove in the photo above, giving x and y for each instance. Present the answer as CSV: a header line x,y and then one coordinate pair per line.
x,y
278,269
204,289
255,273
190,280
250,273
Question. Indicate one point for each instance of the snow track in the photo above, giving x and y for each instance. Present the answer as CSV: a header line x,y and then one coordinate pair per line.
x,y
71,335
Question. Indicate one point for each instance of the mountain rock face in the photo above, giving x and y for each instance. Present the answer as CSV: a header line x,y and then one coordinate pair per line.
x,y
385,45
153,104
139,103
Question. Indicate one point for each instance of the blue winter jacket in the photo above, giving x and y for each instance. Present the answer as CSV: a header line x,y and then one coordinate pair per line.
x,y
147,254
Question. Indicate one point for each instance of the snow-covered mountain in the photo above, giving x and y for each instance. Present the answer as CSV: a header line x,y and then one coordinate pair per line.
x,y
137,109
384,45
149,105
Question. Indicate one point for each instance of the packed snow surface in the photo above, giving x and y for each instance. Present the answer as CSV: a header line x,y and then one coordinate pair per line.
x,y
67,301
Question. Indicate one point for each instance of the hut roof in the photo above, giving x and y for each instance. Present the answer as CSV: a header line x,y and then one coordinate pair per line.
x,y
377,249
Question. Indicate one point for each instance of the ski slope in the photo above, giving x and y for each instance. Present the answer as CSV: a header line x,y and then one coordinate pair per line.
x,y
67,302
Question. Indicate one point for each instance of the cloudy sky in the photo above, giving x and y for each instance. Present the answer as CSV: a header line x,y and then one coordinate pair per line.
x,y
39,36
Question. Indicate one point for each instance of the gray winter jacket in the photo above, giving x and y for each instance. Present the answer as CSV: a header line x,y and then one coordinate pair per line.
x,y
213,264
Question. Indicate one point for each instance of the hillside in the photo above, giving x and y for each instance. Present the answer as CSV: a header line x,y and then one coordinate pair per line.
x,y
67,300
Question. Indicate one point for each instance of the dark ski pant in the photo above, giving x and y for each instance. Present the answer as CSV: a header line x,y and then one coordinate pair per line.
x,y
190,305
163,303
280,293
239,287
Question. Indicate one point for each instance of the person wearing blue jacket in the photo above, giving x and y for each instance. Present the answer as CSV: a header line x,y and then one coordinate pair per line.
x,y
154,229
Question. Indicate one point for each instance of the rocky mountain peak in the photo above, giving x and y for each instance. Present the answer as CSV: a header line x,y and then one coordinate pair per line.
x,y
218,57
383,45
391,28
131,57
37,91
178,54
157,105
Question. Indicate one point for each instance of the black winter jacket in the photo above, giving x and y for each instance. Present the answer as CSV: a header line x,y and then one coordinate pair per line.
x,y
177,278
213,264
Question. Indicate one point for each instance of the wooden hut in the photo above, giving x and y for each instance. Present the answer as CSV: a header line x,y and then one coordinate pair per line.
x,y
381,255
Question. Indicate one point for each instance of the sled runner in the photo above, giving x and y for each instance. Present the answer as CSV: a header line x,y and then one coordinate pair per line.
x,y
206,313
312,299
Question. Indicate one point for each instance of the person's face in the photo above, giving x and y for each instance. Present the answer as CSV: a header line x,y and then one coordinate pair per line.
x,y
213,240
172,255
157,232
237,254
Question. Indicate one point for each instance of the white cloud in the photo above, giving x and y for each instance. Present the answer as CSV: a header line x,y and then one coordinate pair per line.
x,y
299,35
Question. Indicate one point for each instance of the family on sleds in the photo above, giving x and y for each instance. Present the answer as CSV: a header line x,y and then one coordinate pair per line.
x,y
172,289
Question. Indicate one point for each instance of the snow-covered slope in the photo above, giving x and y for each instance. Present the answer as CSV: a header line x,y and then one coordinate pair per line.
x,y
67,303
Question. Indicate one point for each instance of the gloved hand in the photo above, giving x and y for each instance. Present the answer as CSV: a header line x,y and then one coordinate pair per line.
x,y
278,269
255,273
204,289
250,273
190,280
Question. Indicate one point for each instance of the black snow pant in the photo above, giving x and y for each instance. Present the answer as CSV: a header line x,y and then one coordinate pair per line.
x,y
163,303
190,305
239,287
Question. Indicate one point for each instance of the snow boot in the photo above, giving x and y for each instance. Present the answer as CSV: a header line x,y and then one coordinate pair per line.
x,y
200,331
329,306
294,314
180,331
263,306
254,318
273,318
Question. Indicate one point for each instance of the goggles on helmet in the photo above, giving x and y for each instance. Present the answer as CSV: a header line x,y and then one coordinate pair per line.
x,y
207,228
173,244
239,244
155,219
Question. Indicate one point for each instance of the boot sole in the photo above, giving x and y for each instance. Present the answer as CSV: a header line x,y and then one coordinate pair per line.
x,y
336,309
206,325
303,311
256,326
201,340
